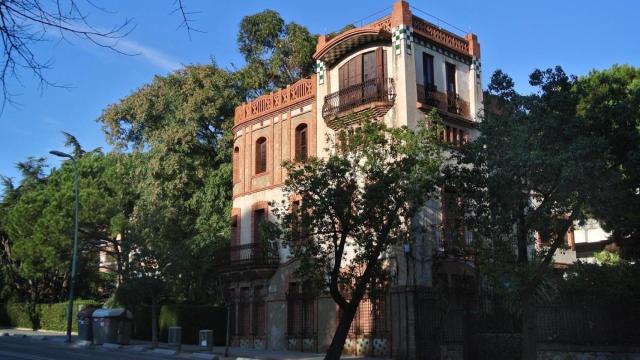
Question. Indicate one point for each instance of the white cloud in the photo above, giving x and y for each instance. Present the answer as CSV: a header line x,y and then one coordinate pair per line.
x,y
151,55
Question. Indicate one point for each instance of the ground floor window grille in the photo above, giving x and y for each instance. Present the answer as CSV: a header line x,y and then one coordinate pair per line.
x,y
244,313
371,318
301,316
259,311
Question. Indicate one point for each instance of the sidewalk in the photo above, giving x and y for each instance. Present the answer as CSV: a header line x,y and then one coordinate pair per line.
x,y
187,351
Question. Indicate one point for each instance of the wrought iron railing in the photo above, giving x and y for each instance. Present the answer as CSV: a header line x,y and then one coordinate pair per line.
x,y
360,94
247,255
449,102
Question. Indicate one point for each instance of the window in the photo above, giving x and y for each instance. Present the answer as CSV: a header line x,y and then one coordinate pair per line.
x,y
452,220
235,231
451,79
261,155
298,226
301,142
259,317
452,94
361,68
259,216
236,164
244,312
301,312
427,70
455,136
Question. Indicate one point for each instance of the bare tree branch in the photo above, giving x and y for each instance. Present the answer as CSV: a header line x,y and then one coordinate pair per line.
x,y
25,23
187,19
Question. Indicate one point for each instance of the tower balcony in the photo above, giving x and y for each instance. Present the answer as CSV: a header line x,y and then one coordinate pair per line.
x,y
449,104
247,261
377,95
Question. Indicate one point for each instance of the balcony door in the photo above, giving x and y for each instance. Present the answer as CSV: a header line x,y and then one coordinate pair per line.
x,y
361,77
452,92
451,79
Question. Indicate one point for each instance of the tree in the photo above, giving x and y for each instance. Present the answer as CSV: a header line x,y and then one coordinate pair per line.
x,y
24,24
148,290
276,54
178,127
609,108
353,208
530,172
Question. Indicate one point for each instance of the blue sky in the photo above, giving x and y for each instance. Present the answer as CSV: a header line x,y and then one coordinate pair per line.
x,y
516,36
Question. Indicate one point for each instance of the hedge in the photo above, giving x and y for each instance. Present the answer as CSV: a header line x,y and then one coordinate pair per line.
x,y
46,316
192,319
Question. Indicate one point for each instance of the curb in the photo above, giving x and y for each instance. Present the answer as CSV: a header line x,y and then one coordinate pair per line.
x,y
81,343
136,348
164,351
204,356
111,346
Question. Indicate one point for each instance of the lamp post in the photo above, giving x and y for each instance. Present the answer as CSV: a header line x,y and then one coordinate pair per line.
x,y
75,240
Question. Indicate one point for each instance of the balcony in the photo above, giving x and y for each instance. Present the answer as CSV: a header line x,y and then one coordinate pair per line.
x,y
247,261
448,103
376,94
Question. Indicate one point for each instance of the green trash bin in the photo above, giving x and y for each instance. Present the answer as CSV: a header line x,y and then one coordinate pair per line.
x,y
112,326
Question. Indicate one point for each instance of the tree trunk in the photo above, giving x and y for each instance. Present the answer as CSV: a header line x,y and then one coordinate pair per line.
x,y
340,336
523,243
529,329
154,323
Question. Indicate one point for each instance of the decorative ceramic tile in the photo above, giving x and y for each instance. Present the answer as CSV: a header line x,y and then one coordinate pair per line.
x,y
381,347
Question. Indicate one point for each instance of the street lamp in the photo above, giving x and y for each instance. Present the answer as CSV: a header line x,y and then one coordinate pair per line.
x,y
75,240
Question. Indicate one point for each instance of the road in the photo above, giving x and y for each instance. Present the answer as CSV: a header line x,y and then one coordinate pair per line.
x,y
19,348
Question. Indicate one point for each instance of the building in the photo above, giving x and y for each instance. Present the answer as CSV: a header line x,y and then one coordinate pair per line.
x,y
582,242
397,68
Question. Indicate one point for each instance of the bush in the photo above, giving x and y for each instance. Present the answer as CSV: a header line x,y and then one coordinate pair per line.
x,y
192,319
43,316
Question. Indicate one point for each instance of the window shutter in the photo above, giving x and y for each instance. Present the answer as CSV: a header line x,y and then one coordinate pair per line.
x,y
263,156
356,78
303,143
380,65
235,232
298,144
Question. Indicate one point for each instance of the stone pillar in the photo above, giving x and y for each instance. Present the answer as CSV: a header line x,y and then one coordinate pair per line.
x,y
403,66
475,78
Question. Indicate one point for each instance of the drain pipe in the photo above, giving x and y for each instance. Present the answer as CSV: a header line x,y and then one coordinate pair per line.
x,y
407,250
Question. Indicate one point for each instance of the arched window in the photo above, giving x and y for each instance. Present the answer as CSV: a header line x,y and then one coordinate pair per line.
x,y
302,142
261,155
236,164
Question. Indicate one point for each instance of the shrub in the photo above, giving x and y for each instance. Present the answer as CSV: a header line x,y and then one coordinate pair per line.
x,y
43,316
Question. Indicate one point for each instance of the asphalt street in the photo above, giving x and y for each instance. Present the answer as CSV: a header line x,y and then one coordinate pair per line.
x,y
19,348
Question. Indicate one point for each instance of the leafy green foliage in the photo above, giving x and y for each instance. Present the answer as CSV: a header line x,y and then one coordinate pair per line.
x,y
48,316
354,208
603,283
179,127
542,162
276,53
605,257
609,108
39,224
527,169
